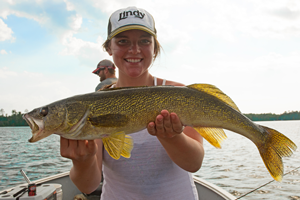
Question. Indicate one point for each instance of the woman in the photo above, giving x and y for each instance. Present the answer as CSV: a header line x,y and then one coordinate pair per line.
x,y
164,153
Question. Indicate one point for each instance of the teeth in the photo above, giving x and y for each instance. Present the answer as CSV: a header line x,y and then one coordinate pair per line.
x,y
34,124
35,127
133,60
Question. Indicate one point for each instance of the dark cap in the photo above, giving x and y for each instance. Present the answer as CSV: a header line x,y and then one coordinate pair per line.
x,y
102,64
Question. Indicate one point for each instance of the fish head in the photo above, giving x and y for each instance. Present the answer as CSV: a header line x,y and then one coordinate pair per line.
x,y
45,120
64,117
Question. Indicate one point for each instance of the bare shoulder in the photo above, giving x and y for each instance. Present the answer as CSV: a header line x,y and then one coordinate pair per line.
x,y
168,82
174,83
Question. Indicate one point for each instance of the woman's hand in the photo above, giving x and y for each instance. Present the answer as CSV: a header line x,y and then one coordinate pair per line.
x,y
184,145
166,125
78,150
86,156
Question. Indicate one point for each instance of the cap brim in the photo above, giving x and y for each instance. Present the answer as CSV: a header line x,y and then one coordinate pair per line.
x,y
96,71
131,27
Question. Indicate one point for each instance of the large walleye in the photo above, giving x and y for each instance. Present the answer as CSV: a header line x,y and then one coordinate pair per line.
x,y
112,114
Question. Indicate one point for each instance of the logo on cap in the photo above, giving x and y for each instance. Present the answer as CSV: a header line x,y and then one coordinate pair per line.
x,y
136,13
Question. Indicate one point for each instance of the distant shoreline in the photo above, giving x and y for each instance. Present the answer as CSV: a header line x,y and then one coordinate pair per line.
x,y
16,118
293,115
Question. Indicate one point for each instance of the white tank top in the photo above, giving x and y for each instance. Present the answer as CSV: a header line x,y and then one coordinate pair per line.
x,y
149,174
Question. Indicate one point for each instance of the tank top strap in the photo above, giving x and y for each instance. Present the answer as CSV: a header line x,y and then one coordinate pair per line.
x,y
155,81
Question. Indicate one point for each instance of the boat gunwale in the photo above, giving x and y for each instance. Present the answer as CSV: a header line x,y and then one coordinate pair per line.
x,y
210,186
221,192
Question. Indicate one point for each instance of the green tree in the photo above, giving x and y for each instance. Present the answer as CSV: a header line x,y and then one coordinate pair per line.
x,y
2,112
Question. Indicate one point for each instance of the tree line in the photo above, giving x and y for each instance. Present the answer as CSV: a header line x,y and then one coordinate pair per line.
x,y
16,119
293,115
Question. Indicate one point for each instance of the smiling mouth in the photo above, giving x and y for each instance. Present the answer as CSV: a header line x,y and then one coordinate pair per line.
x,y
133,60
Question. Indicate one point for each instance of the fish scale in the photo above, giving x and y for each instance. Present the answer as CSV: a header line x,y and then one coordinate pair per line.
x,y
113,114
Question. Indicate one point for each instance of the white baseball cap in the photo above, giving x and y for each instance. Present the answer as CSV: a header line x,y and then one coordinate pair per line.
x,y
128,19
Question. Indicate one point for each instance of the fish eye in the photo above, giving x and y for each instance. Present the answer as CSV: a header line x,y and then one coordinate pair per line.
x,y
44,111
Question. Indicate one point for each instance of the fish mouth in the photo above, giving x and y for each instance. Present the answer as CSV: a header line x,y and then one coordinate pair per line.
x,y
36,126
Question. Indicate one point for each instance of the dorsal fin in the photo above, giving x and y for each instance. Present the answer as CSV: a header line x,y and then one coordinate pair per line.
x,y
216,92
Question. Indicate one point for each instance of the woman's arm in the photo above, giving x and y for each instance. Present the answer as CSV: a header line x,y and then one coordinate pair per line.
x,y
86,156
184,146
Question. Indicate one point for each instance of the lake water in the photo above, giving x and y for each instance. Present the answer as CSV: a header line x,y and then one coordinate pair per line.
x,y
237,167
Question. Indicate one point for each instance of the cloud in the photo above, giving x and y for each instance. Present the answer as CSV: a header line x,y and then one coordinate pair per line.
x,y
229,19
237,45
3,51
86,52
110,6
6,74
265,83
43,12
40,89
64,23
70,6
11,7
5,32
75,22
270,19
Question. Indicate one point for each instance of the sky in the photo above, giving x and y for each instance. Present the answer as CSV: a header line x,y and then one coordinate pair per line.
x,y
249,49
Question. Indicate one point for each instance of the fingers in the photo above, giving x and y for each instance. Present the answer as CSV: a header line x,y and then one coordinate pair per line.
x,y
91,145
77,149
151,128
165,122
177,125
166,125
73,144
64,144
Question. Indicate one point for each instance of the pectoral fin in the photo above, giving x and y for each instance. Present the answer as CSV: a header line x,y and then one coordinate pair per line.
x,y
214,136
128,145
118,144
109,120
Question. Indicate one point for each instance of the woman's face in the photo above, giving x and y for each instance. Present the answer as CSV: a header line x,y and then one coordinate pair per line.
x,y
132,52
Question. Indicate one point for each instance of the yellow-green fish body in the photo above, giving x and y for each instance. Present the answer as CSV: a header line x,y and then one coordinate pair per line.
x,y
114,113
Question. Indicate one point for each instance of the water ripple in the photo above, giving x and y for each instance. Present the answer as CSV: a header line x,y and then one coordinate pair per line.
x,y
38,160
237,167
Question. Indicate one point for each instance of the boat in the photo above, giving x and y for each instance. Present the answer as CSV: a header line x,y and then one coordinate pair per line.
x,y
60,187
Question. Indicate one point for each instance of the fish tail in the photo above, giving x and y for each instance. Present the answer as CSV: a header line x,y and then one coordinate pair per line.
x,y
275,147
